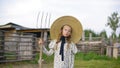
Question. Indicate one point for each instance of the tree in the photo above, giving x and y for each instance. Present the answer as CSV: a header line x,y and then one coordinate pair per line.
x,y
103,33
87,32
113,23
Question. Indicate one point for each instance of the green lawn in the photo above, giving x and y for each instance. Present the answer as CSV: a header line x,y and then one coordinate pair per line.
x,y
96,64
90,60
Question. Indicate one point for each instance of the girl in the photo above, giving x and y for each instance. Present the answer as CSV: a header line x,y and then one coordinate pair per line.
x,y
65,32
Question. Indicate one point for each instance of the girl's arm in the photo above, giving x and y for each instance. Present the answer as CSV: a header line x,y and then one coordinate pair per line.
x,y
51,47
48,52
74,48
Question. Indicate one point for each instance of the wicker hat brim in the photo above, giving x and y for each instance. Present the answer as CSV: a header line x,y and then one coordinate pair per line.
x,y
71,21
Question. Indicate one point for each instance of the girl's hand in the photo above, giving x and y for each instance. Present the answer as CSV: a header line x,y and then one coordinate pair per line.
x,y
40,41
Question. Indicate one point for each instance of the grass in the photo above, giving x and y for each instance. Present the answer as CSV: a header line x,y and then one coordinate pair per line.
x,y
96,64
92,60
91,56
47,59
89,60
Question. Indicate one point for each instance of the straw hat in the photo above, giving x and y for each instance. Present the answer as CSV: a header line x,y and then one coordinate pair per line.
x,y
71,21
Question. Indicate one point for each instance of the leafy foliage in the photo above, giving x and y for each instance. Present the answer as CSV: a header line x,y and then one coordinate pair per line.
x,y
113,23
87,32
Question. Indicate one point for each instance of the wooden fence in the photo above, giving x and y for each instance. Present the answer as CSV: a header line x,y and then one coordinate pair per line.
x,y
91,46
17,46
99,45
113,51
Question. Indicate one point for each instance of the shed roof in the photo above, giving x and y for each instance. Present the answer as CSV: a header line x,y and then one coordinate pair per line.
x,y
12,25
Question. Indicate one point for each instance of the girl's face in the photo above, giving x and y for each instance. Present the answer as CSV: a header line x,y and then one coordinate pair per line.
x,y
66,31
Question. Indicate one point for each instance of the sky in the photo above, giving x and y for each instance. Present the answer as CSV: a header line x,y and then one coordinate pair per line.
x,y
92,14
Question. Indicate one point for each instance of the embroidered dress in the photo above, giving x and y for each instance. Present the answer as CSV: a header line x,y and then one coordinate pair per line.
x,y
68,54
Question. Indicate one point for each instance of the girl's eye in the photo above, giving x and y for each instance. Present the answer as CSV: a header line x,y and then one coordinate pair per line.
x,y
65,29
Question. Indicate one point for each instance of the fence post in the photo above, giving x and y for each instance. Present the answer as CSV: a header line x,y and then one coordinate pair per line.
x,y
115,50
90,37
83,36
103,44
109,51
45,35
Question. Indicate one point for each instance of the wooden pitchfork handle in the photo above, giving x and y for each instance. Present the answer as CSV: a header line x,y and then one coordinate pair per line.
x,y
40,56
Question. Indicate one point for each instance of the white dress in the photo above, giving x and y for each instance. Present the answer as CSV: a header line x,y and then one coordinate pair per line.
x,y
68,54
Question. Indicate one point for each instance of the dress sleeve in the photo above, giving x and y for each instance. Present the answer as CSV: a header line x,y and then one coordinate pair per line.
x,y
74,48
51,47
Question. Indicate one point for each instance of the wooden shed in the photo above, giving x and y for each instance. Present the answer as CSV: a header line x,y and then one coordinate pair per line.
x,y
19,42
